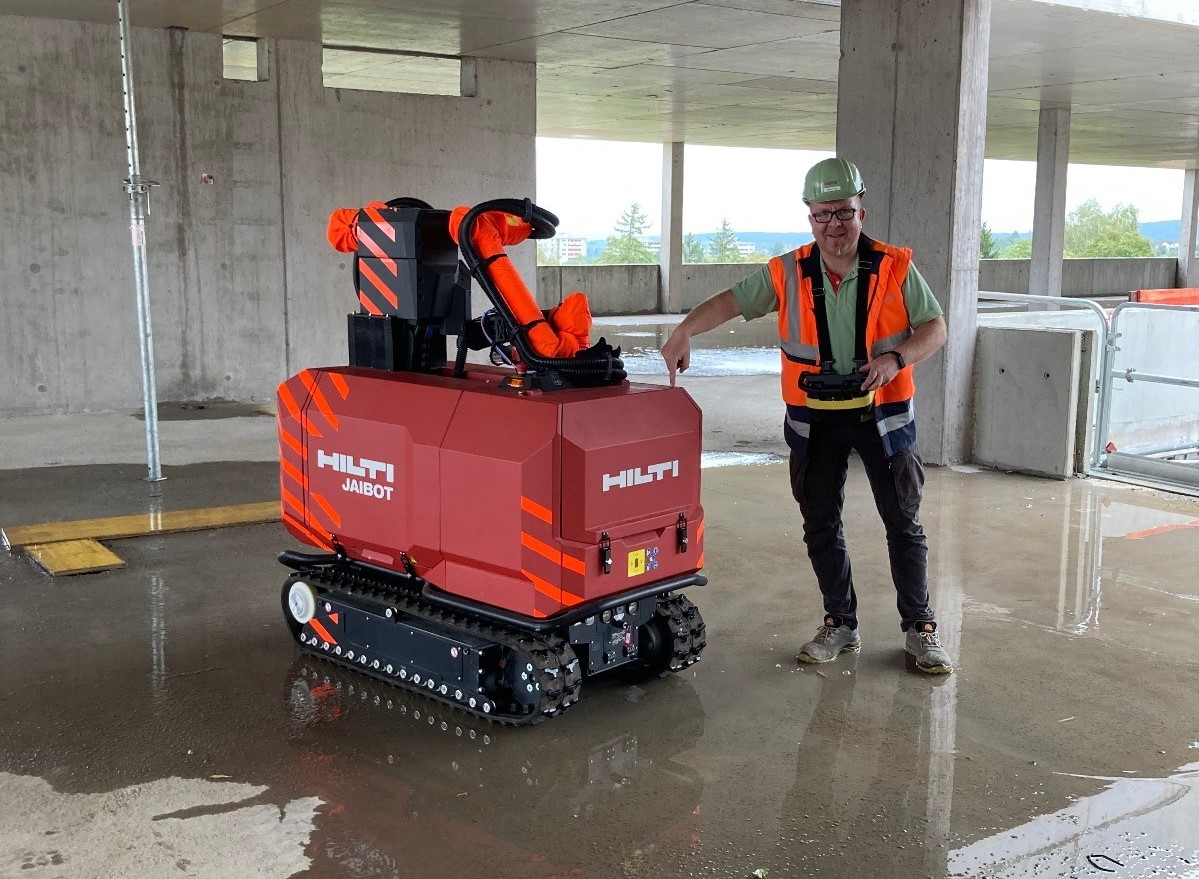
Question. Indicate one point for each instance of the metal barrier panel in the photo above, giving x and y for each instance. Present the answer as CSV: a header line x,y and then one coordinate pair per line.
x,y
1151,380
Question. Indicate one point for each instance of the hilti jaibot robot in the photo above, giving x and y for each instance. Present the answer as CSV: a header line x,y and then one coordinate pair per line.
x,y
491,534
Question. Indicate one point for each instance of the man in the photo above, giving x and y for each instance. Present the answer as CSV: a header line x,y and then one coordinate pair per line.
x,y
850,310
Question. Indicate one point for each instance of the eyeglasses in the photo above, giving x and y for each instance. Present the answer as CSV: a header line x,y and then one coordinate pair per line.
x,y
842,214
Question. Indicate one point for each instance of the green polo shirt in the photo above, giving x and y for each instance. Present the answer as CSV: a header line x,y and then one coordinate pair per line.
x,y
755,295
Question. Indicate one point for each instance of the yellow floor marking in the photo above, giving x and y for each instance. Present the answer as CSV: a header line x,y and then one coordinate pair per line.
x,y
74,557
116,527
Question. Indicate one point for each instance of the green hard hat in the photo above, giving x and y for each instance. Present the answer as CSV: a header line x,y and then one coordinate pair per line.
x,y
832,180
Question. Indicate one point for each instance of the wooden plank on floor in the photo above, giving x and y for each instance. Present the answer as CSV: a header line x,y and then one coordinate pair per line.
x,y
74,557
116,527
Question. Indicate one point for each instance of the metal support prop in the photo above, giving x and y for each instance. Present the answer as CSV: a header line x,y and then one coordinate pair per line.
x,y
138,190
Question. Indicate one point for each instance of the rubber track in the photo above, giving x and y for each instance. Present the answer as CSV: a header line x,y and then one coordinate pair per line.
x,y
554,662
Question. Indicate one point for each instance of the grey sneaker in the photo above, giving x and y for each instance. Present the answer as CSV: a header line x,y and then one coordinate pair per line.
x,y
924,646
832,639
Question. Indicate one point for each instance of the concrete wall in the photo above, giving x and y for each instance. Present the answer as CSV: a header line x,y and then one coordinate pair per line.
x,y
618,289
634,289
1026,385
244,289
1083,277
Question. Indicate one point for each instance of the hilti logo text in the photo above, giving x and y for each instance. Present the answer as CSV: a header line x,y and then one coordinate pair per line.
x,y
360,467
636,476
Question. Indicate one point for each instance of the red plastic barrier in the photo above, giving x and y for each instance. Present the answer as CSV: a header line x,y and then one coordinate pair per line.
x,y
1180,296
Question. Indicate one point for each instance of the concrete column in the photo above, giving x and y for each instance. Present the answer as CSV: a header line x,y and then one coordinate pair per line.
x,y
1049,204
670,256
911,112
1188,265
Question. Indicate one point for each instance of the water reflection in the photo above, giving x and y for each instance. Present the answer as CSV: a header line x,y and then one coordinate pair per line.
x,y
1135,827
473,798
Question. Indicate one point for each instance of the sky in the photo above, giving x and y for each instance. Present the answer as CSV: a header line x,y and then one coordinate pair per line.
x,y
588,184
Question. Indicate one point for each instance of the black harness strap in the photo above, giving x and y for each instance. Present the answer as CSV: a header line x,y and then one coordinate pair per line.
x,y
869,261
810,267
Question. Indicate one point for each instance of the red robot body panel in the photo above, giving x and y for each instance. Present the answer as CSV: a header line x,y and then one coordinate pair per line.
x,y
505,498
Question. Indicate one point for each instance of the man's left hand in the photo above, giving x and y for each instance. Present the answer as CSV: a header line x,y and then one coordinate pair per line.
x,y
879,371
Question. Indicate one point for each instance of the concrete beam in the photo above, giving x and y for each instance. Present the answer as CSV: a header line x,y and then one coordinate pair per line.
x,y
911,112
1049,204
670,257
1188,265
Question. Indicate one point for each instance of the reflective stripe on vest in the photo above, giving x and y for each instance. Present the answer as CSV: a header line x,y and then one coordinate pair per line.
x,y
809,355
887,327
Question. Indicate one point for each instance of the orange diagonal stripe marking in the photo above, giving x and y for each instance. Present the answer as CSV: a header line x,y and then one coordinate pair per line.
x,y
334,617
370,307
319,398
328,508
289,401
370,275
374,214
292,501
309,426
291,470
292,442
321,630
340,383
570,599
699,532
536,509
573,564
549,590
540,548
372,246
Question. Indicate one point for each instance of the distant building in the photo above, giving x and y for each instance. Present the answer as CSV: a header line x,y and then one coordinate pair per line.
x,y
746,249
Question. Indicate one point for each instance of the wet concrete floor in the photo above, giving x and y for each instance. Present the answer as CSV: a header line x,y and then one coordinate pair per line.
x,y
157,721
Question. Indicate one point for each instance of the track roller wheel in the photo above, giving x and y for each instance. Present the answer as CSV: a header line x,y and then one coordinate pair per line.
x,y
675,637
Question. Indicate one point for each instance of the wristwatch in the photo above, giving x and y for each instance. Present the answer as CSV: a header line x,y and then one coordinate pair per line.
x,y
898,357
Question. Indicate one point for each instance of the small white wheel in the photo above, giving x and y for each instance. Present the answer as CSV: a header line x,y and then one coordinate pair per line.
x,y
301,601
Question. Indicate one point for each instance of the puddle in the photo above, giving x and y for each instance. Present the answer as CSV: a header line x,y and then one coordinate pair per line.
x,y
1136,827
706,361
711,460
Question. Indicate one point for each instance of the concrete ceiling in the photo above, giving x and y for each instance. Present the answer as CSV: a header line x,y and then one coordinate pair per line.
x,y
746,72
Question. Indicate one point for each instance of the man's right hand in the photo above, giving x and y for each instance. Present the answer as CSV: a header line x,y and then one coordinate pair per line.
x,y
677,352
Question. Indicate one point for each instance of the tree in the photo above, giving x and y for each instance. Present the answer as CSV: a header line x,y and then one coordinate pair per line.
x,y
1090,232
547,254
693,250
723,247
1021,248
987,249
625,244
778,248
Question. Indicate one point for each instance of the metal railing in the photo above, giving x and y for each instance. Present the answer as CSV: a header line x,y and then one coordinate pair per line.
x,y
1147,469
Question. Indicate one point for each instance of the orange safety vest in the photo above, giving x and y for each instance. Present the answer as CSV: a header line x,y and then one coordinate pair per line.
x,y
887,327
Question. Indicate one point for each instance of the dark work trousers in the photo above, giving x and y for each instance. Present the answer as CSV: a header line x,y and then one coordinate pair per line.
x,y
818,483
